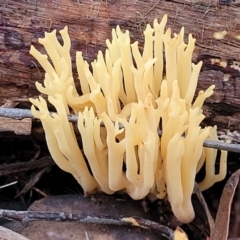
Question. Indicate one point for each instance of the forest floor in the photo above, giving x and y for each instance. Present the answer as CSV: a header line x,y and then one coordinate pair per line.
x,y
26,161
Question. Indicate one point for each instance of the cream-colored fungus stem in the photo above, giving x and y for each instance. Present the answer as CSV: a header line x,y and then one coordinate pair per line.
x,y
158,52
192,84
175,151
43,114
210,155
86,122
68,144
43,60
123,43
130,159
189,165
117,178
81,64
171,45
202,95
52,128
184,65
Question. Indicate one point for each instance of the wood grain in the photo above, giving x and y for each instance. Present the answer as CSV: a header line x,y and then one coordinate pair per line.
x,y
19,127
90,23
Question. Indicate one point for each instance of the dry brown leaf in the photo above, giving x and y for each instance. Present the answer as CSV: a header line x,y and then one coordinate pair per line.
x,y
221,228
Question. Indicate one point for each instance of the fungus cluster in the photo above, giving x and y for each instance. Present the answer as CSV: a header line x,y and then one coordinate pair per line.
x,y
127,98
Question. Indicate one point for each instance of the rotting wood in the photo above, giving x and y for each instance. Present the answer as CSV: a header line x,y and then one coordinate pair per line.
x,y
216,28
19,127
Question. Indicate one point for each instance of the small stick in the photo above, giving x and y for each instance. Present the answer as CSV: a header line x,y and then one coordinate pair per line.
x,y
28,216
9,184
18,113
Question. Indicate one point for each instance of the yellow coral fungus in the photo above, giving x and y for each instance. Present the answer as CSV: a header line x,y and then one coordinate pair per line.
x,y
128,93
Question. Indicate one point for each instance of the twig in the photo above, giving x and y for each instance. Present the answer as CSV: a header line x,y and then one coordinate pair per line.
x,y
40,192
145,15
38,150
28,216
222,146
31,183
18,113
86,235
9,184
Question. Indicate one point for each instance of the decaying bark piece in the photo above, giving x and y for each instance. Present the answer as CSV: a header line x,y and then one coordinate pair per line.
x,y
19,127
216,28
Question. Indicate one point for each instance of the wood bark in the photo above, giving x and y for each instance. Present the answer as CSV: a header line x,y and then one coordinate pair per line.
x,y
216,28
